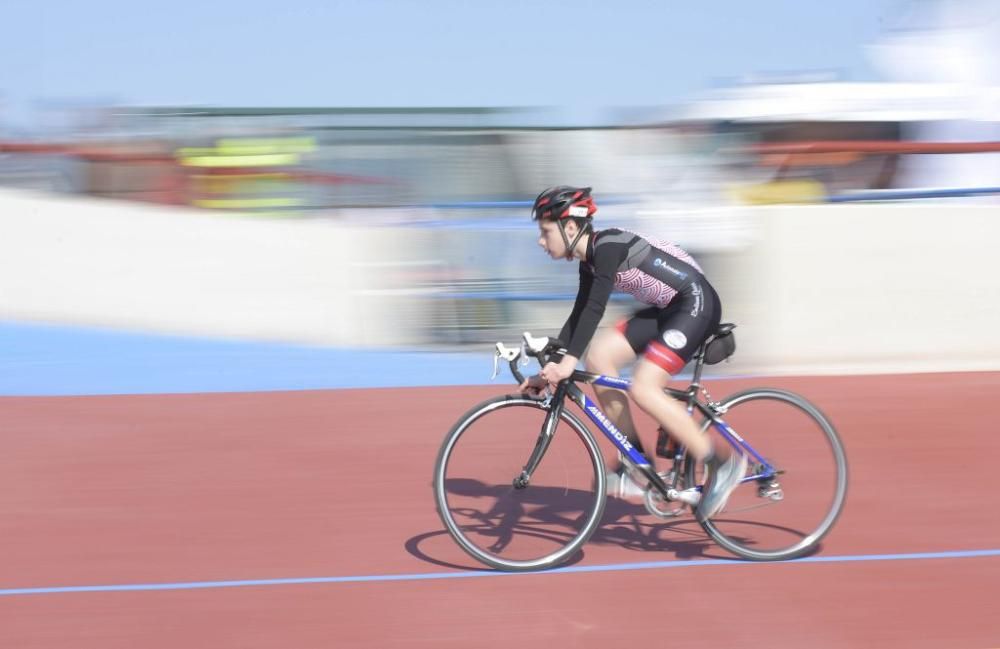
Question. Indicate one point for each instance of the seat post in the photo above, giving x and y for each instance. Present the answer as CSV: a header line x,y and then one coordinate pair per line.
x,y
699,365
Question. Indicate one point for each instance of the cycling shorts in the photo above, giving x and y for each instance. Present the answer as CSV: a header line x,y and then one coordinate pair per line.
x,y
669,336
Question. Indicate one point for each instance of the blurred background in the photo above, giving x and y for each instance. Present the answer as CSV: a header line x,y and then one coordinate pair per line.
x,y
360,175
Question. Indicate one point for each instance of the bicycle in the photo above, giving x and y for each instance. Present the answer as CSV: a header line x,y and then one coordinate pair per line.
x,y
527,489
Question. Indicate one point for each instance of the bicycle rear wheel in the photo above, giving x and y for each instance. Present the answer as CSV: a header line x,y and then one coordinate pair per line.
x,y
533,527
787,515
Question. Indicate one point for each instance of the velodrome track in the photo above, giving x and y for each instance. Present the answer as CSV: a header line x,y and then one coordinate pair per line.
x,y
166,493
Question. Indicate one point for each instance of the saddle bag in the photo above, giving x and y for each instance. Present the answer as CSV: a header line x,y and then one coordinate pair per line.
x,y
720,348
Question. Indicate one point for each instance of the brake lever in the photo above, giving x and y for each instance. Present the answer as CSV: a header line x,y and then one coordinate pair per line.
x,y
503,352
535,344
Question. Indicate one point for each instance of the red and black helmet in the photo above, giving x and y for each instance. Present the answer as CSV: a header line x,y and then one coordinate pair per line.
x,y
563,202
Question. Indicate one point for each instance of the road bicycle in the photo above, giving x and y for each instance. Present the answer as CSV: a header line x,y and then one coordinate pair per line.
x,y
521,483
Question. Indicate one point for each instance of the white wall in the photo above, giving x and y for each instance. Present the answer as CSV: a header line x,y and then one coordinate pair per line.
x,y
893,287
102,262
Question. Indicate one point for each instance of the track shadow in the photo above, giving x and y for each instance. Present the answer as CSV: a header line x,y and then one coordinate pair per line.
x,y
551,513
723,521
413,547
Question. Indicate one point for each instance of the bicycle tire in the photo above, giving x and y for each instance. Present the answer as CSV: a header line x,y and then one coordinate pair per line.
x,y
740,544
593,501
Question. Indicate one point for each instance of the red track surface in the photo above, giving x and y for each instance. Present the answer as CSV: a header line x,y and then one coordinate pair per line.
x,y
194,488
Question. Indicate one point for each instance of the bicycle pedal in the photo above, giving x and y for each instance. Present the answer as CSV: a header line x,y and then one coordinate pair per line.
x,y
772,491
660,507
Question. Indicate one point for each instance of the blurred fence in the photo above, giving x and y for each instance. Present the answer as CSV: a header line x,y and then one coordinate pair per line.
x,y
297,161
489,280
874,170
307,173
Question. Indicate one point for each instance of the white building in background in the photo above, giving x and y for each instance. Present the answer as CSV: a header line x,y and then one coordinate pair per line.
x,y
952,43
941,66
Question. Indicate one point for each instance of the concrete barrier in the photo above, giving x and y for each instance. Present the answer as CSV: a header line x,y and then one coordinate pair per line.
x,y
149,268
858,288
897,287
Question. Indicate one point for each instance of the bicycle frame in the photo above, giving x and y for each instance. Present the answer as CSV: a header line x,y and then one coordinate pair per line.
x,y
765,470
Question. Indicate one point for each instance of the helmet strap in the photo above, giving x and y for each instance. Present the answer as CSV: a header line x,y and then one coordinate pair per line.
x,y
571,246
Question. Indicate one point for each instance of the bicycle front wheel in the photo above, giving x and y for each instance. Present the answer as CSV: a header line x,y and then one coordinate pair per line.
x,y
500,521
786,515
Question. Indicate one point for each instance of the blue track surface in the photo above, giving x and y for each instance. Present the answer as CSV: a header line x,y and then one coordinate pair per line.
x,y
44,360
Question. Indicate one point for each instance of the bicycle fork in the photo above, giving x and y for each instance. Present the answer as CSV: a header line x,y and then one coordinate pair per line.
x,y
544,438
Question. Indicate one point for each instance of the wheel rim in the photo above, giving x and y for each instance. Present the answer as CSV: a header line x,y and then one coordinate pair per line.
x,y
518,529
786,516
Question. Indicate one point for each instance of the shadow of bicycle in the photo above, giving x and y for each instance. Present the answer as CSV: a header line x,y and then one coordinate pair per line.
x,y
496,517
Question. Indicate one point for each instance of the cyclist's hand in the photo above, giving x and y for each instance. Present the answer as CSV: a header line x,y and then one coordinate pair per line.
x,y
556,372
533,386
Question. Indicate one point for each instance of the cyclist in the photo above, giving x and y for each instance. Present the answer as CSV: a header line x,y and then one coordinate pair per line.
x,y
683,311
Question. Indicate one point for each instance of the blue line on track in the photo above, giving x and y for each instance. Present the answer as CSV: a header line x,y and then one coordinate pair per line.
x,y
619,567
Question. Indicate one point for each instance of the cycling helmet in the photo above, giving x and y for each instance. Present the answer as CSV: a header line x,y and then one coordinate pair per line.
x,y
561,203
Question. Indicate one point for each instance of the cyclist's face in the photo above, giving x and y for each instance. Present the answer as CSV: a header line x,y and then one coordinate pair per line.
x,y
551,240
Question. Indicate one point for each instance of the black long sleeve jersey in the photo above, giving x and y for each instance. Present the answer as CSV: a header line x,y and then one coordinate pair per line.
x,y
652,271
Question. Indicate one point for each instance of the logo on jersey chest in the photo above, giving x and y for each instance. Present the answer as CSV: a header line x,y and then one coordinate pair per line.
x,y
659,263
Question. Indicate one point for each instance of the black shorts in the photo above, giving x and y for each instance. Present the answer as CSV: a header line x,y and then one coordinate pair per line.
x,y
669,336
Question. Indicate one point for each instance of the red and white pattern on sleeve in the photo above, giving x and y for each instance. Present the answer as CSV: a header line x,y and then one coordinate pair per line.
x,y
649,289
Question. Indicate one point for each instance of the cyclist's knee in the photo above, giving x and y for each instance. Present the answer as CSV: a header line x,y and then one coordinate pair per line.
x,y
608,354
598,366
598,361
645,393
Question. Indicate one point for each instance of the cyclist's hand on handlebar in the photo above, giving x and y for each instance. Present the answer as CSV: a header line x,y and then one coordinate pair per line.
x,y
553,373
533,386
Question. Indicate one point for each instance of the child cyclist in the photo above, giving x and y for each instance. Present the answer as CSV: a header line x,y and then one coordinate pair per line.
x,y
683,311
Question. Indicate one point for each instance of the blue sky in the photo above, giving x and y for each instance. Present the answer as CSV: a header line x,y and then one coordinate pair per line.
x,y
581,55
